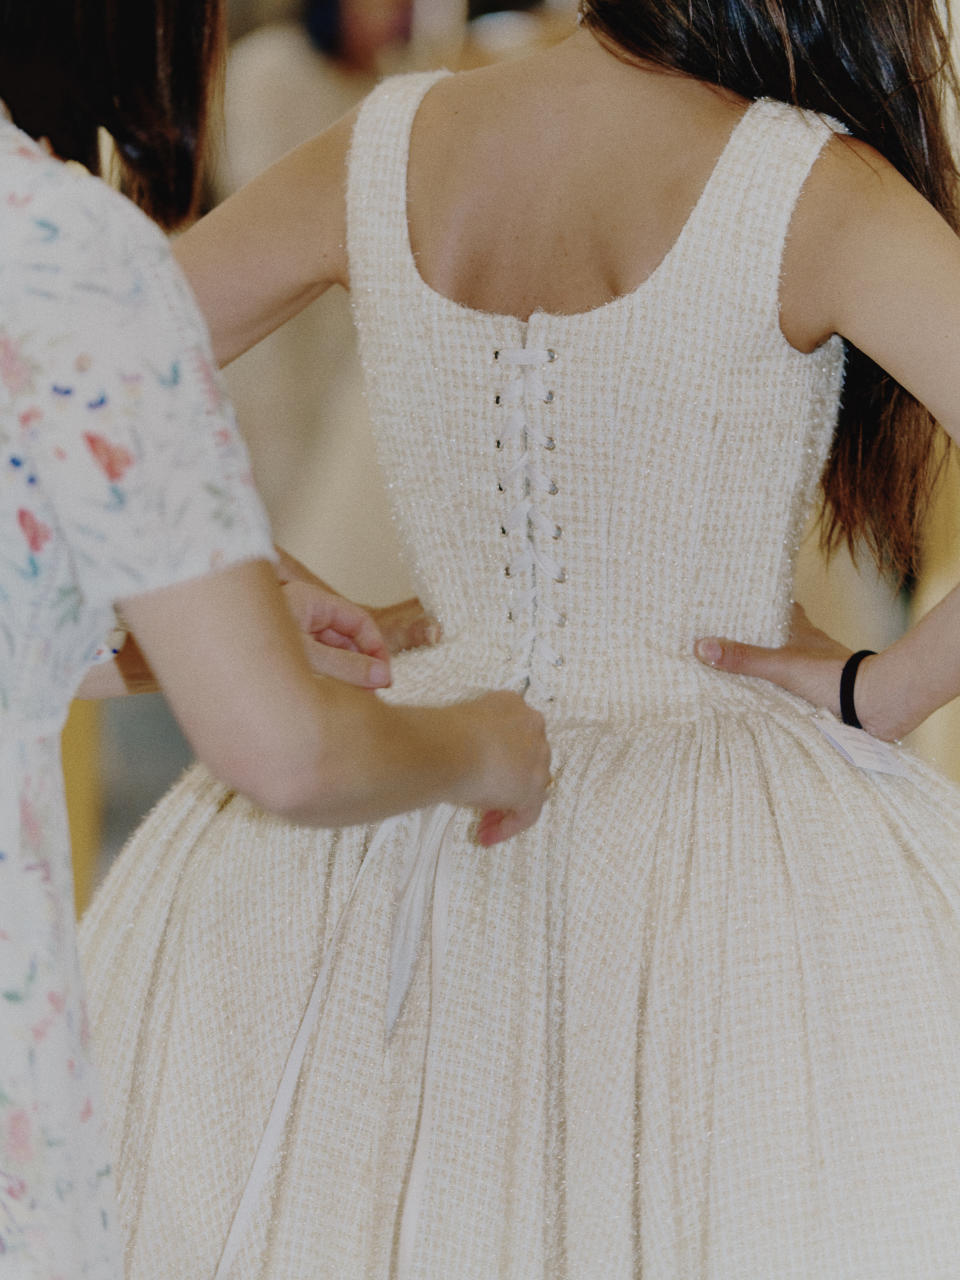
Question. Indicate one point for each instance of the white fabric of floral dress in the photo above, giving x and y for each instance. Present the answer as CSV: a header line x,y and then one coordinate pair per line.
x,y
120,472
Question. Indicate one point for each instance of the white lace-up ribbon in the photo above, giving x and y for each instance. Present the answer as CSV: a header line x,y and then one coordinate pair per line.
x,y
525,517
424,879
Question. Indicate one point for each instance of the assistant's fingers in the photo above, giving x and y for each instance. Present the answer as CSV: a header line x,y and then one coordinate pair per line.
x,y
354,625
339,621
497,825
347,665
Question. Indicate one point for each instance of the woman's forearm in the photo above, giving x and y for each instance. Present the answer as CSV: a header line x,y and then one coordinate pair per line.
x,y
372,760
320,751
914,676
895,690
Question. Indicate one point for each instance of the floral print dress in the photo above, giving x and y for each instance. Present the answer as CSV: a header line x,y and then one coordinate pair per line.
x,y
120,472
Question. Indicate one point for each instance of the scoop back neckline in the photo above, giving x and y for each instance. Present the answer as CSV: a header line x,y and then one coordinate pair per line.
x,y
621,299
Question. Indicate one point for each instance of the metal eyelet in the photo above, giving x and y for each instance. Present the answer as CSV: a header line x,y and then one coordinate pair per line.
x,y
503,530
496,399
499,487
561,576
548,398
509,615
550,444
557,533
506,572
499,444
561,620
551,355
558,662
553,490
496,355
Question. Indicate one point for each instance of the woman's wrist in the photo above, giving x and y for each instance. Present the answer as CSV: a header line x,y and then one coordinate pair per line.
x,y
884,698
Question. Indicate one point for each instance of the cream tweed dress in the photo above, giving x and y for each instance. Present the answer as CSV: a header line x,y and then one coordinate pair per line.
x,y
704,1019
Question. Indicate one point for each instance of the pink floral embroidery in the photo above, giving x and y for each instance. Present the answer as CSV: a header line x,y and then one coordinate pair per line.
x,y
30,416
86,1111
29,822
15,372
210,381
113,459
35,531
19,1138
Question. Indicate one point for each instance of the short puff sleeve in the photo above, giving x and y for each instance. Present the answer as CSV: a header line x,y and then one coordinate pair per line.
x,y
129,430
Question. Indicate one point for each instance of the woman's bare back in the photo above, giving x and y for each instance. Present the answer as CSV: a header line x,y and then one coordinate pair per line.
x,y
559,182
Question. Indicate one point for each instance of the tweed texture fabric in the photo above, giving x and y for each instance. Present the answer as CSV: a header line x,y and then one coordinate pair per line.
x,y
702,1022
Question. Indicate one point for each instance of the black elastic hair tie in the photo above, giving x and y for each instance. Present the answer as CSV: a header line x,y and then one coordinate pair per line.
x,y
848,678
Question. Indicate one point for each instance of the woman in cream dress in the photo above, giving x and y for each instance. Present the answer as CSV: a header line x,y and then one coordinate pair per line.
x,y
703,1020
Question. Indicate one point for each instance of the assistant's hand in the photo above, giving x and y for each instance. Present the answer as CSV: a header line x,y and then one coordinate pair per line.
x,y
341,639
405,625
511,775
809,664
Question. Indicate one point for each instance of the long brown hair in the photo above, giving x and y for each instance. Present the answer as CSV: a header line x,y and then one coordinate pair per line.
x,y
140,69
883,69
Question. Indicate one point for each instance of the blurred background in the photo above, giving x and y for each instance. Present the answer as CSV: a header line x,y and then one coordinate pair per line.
x,y
295,66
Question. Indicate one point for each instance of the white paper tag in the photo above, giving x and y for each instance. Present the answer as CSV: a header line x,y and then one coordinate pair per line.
x,y
862,750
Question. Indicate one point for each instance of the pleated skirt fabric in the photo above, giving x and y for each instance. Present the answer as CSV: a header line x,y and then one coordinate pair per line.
x,y
702,1022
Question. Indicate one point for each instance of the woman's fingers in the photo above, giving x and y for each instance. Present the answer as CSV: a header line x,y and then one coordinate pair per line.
x,y
740,659
497,825
347,664
808,665
340,638
333,620
406,625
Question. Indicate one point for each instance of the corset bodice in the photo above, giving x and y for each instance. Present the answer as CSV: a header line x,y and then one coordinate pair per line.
x,y
581,496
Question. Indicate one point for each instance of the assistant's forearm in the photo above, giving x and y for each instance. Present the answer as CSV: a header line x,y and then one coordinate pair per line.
x,y
374,760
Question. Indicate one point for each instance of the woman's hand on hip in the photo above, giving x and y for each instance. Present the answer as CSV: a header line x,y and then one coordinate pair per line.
x,y
809,664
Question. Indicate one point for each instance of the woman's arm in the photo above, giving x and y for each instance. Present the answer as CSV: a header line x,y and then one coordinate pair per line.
x,y
869,258
319,751
268,251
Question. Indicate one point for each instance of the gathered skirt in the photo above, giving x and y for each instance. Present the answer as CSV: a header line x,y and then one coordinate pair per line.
x,y
702,1022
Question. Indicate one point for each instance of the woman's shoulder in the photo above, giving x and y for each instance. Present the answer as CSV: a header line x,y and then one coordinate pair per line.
x,y
854,209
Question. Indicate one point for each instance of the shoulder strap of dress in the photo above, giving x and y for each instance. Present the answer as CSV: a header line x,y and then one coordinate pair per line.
x,y
742,219
378,245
